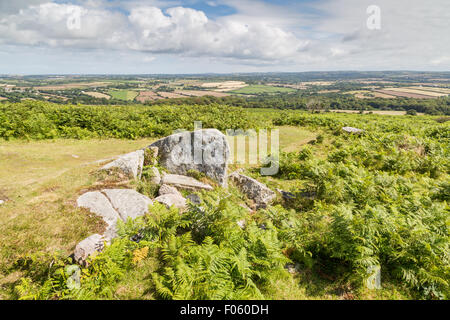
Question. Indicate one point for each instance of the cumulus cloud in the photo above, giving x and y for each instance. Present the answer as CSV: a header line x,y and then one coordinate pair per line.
x,y
188,31
324,34
179,30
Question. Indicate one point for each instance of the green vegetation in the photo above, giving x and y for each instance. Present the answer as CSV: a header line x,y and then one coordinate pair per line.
x,y
308,100
40,120
379,198
123,94
260,89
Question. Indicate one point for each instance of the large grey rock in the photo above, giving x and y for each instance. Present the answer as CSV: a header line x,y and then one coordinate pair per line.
x,y
128,203
166,189
352,130
88,247
205,151
253,189
184,182
99,204
171,199
130,164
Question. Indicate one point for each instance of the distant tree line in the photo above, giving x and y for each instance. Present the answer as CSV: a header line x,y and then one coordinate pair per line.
x,y
301,101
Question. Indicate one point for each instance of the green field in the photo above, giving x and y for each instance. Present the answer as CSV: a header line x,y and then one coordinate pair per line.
x,y
127,95
258,89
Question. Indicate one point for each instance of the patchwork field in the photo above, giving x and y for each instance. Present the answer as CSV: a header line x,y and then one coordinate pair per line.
x,y
404,94
123,94
433,89
147,96
367,94
224,86
97,95
73,86
201,93
257,89
170,95
418,91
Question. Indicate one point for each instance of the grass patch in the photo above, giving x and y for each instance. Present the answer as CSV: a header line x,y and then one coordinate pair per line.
x,y
41,181
126,95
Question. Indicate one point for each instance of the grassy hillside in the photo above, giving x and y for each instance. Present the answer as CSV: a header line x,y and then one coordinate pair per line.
x,y
375,199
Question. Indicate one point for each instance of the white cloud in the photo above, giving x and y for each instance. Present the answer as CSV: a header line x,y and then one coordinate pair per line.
x,y
180,30
190,32
413,32
332,35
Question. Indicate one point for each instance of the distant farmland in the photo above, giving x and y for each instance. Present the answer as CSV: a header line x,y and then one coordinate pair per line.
x,y
257,89
402,92
76,85
97,95
123,94
148,96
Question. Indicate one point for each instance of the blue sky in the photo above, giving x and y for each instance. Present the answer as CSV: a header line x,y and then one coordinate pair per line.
x,y
193,36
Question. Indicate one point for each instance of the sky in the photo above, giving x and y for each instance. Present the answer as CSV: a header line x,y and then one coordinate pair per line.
x,y
222,36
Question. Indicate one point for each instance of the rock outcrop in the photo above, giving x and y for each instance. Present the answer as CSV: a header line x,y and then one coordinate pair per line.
x,y
253,189
130,164
128,203
96,202
205,151
111,205
184,182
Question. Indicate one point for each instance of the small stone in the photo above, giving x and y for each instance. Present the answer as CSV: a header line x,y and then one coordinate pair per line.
x,y
373,280
2,202
130,164
241,223
293,268
253,189
166,189
170,200
87,248
352,130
